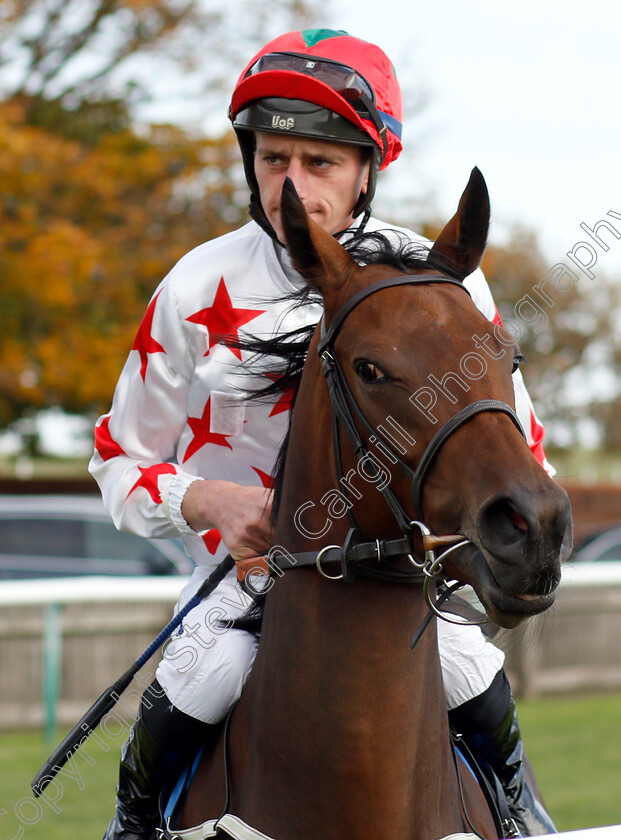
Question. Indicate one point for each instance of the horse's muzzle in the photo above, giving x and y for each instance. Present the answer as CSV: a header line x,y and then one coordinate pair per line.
x,y
522,538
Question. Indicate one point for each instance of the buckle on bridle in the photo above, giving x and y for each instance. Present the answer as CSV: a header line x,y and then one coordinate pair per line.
x,y
327,361
347,557
510,829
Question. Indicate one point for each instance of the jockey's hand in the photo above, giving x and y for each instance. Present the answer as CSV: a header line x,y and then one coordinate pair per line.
x,y
241,514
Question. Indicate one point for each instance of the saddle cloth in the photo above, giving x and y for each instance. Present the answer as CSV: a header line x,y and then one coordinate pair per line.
x,y
239,830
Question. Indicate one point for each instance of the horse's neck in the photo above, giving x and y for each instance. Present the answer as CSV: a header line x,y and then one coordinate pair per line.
x,y
344,714
350,642
339,709
346,644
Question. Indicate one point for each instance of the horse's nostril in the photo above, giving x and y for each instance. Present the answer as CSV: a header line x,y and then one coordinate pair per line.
x,y
516,518
521,541
500,520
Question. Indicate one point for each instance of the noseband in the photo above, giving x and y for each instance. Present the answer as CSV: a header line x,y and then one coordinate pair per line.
x,y
343,407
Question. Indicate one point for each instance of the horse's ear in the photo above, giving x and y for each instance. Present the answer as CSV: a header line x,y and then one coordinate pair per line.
x,y
461,244
315,253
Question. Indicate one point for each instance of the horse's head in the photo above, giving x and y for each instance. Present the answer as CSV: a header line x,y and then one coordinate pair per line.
x,y
413,357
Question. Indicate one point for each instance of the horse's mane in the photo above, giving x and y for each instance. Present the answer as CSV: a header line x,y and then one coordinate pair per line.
x,y
287,352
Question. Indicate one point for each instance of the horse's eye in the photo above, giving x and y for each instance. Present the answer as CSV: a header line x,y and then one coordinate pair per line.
x,y
369,372
517,360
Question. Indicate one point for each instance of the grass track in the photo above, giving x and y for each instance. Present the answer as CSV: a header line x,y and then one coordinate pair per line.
x,y
85,799
573,743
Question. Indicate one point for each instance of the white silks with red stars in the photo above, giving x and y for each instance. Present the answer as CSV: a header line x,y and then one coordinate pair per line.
x,y
179,410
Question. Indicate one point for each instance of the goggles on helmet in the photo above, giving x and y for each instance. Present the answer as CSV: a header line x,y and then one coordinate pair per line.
x,y
344,80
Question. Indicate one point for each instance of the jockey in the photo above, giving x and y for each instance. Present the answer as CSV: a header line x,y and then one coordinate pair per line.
x,y
182,454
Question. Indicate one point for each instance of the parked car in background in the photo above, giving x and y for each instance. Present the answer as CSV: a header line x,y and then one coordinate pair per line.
x,y
603,546
65,536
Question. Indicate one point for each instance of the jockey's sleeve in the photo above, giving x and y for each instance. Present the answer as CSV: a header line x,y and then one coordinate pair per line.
x,y
533,428
136,442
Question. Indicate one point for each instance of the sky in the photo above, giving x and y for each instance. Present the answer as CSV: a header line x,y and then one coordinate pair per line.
x,y
529,92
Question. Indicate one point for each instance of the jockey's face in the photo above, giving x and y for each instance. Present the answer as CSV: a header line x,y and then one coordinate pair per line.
x,y
329,177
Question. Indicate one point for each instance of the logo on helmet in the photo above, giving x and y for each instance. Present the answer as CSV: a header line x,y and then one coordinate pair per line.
x,y
283,123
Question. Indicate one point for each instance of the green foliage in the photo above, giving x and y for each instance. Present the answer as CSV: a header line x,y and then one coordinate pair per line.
x,y
86,124
573,744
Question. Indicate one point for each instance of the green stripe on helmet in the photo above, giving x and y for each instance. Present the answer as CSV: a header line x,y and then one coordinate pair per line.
x,y
314,36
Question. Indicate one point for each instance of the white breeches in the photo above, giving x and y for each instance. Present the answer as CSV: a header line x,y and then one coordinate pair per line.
x,y
205,666
469,662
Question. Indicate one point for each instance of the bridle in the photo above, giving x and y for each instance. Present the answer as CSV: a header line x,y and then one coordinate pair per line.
x,y
374,558
356,555
344,407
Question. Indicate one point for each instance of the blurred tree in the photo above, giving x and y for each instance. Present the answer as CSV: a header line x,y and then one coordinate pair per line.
x,y
95,206
82,54
567,332
569,336
87,230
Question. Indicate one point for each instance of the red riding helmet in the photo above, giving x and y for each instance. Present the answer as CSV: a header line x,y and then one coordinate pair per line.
x,y
324,84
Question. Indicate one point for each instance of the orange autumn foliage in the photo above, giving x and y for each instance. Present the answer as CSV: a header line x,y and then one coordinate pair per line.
x,y
88,227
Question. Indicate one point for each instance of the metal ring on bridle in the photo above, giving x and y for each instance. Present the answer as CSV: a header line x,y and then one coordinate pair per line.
x,y
448,617
430,566
421,526
318,564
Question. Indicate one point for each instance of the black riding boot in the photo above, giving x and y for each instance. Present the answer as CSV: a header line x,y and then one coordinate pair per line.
x,y
160,741
489,726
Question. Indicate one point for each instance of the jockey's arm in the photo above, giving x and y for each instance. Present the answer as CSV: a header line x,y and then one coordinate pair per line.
x,y
533,428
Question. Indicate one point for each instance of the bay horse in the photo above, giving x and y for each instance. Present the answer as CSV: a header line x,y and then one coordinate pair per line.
x,y
341,732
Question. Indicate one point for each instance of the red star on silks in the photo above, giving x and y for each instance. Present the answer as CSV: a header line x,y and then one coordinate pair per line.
x,y
285,400
144,343
148,480
201,427
222,319
212,540
105,444
266,478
